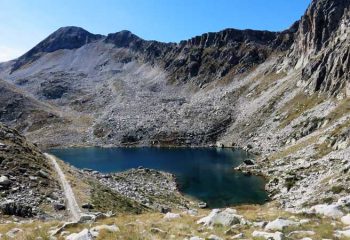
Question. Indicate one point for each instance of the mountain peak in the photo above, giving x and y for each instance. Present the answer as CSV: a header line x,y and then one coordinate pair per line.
x,y
123,38
64,38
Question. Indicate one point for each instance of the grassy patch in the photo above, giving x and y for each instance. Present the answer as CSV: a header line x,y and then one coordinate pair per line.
x,y
265,81
340,110
294,148
105,200
153,226
337,189
298,105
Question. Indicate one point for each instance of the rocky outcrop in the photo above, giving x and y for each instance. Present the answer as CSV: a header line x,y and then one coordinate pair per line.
x,y
25,182
321,47
211,56
149,188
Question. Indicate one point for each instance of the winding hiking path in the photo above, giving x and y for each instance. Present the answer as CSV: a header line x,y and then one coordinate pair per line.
x,y
72,204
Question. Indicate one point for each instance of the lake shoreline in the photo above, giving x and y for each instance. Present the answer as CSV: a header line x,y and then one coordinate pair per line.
x,y
203,173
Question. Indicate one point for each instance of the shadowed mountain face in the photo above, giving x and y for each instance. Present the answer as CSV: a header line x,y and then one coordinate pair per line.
x,y
122,89
21,110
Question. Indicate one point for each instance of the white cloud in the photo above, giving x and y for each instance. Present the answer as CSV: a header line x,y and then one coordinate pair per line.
x,y
9,53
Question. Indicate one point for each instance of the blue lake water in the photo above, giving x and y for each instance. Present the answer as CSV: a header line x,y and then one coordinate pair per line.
x,y
203,173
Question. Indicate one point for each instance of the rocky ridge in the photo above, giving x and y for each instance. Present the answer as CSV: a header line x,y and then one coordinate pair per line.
x,y
321,47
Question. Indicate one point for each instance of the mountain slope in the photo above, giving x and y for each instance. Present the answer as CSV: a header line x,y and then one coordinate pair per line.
x,y
27,183
108,80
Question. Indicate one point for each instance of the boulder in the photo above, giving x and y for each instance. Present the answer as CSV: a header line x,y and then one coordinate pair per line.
x,y
202,205
83,235
164,209
196,238
5,181
43,174
345,233
11,207
332,210
344,201
227,217
238,236
269,236
109,228
13,233
214,237
59,206
300,234
87,218
279,224
87,206
249,162
54,232
170,216
157,231
346,219
191,212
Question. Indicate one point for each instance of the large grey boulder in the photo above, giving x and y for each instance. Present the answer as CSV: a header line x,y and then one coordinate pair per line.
x,y
267,235
83,235
95,231
332,210
344,233
279,224
346,219
13,233
196,238
227,217
87,218
5,181
214,237
66,225
170,216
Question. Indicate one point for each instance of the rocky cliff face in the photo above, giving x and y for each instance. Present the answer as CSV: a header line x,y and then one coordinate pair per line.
x,y
214,56
203,59
321,47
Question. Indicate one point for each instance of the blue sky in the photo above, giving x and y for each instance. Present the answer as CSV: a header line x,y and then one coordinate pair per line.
x,y
24,23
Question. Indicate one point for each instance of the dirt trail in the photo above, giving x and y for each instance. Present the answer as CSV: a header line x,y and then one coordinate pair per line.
x,y
72,204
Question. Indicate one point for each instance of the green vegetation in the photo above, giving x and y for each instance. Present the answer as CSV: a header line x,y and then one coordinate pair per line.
x,y
105,200
294,148
342,108
337,189
298,105
265,81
